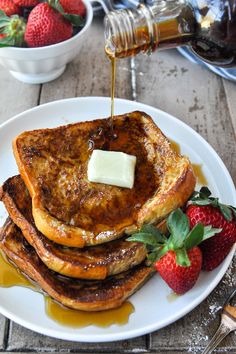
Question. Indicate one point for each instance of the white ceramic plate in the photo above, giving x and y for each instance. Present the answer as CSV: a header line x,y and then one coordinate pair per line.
x,y
152,308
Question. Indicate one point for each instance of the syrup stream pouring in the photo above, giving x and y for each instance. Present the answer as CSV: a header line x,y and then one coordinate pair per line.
x,y
227,324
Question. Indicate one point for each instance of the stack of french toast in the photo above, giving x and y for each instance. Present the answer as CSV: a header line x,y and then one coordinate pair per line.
x,y
68,234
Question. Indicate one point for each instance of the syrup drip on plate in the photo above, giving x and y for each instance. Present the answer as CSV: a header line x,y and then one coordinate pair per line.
x,y
75,318
10,276
172,297
175,146
197,168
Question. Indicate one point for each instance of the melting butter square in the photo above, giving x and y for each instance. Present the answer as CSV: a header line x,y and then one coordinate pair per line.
x,y
112,167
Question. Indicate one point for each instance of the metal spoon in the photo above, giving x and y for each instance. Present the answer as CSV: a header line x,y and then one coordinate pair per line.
x,y
227,324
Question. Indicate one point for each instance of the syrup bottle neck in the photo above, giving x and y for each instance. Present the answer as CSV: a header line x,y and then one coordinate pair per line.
x,y
165,24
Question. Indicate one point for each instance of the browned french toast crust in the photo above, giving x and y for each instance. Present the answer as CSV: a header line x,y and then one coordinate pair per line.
x,y
96,262
84,295
72,211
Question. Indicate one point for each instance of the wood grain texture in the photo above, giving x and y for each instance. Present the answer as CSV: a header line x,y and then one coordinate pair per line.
x,y
168,81
230,92
15,96
90,73
191,93
205,102
3,323
193,332
23,339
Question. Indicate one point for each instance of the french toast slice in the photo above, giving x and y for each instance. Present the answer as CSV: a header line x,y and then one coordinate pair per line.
x,y
87,295
72,211
95,262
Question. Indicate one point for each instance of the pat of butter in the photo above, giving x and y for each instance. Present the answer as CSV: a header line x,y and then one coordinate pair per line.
x,y
112,167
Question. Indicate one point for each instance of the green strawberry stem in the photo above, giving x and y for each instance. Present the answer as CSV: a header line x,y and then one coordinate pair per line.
x,y
181,238
13,29
203,198
76,20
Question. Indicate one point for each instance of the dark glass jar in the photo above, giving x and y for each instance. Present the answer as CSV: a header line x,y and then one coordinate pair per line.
x,y
207,26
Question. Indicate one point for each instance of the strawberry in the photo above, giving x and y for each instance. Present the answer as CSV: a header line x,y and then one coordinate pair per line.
x,y
12,30
9,7
208,211
46,26
73,10
26,3
177,258
75,7
180,278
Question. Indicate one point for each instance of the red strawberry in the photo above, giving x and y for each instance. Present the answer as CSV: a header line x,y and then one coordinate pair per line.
x,y
75,7
209,211
46,26
179,278
215,249
26,3
9,7
177,258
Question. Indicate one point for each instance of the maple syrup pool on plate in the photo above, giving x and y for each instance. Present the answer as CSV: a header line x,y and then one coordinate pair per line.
x,y
10,276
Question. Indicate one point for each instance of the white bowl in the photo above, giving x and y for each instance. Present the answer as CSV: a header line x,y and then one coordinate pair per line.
x,y
43,64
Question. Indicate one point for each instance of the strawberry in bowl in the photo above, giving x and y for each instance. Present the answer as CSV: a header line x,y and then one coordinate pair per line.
x,y
46,26
47,37
9,7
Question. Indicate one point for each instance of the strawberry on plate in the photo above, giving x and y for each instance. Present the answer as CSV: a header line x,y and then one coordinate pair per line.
x,y
209,211
9,7
178,276
46,26
178,259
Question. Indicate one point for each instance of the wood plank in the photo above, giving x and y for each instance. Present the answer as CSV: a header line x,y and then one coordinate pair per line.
x,y
169,82
21,339
3,323
230,89
15,96
90,73
93,351
193,332
196,96
191,93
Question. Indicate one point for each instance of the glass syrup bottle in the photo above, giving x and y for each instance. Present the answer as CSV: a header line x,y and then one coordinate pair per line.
x,y
208,27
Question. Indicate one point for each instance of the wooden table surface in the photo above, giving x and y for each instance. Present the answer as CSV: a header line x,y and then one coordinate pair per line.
x,y
188,91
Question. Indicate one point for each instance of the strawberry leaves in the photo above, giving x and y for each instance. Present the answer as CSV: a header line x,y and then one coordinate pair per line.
x,y
203,198
194,237
178,226
180,241
153,240
76,20
13,29
149,235
182,258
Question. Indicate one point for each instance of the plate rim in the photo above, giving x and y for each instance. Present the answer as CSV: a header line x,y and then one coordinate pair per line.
x,y
96,338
